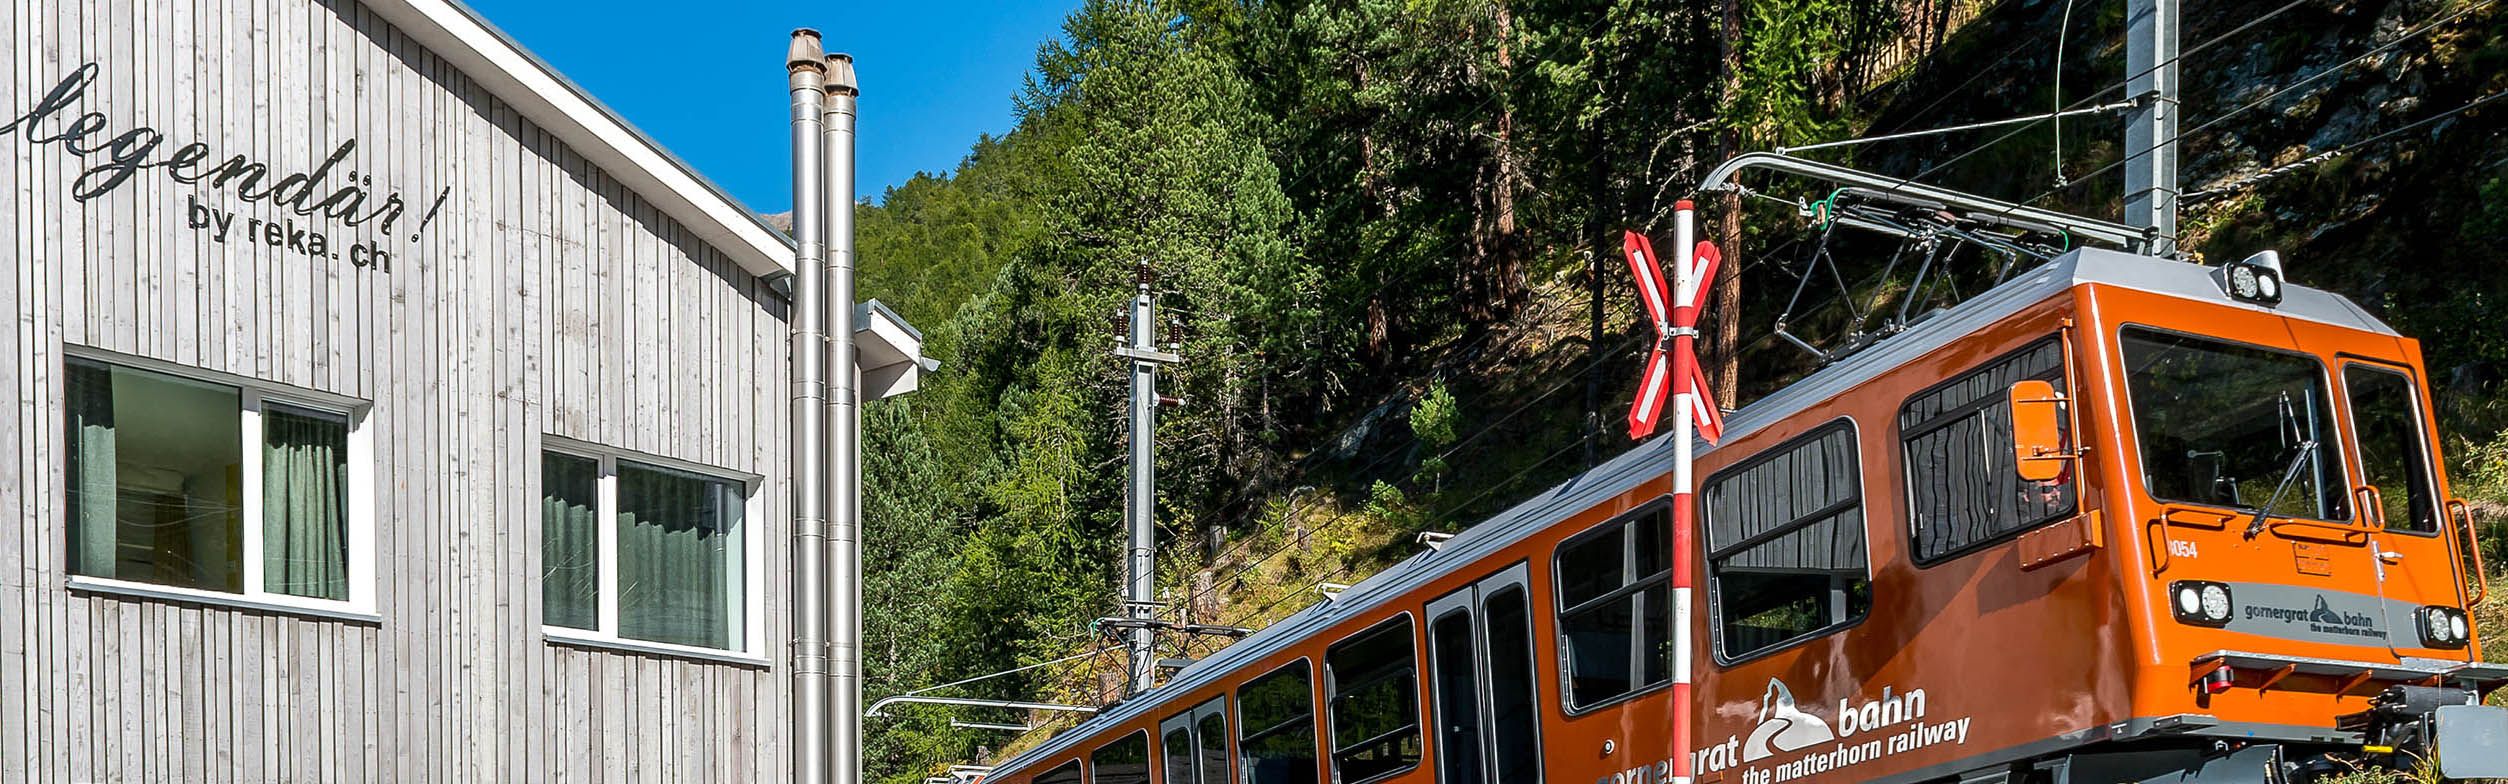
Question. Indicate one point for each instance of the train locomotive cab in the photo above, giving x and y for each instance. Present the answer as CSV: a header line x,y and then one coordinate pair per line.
x,y
2158,522
2303,576
2117,519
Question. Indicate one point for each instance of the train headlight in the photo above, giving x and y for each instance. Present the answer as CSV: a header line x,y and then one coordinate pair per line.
x,y
2216,603
2242,282
2444,627
2201,602
2256,279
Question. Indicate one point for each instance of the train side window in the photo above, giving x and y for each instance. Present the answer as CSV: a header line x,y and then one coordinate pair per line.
x,y
1067,773
2386,427
1458,690
1785,548
1963,489
1277,714
1175,744
1615,606
1212,733
1515,741
1195,743
1374,708
1124,761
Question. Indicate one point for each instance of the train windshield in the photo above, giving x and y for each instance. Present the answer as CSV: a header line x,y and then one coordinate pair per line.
x,y
2232,425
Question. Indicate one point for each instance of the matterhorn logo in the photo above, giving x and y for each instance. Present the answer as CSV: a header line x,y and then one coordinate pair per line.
x,y
2325,613
1858,731
1782,726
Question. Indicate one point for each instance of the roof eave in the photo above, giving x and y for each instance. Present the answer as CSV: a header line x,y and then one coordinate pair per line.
x,y
515,76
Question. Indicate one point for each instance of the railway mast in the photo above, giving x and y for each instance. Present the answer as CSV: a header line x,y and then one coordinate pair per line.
x,y
1140,578
2151,126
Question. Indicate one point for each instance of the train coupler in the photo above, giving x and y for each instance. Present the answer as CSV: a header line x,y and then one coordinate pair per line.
x,y
2444,725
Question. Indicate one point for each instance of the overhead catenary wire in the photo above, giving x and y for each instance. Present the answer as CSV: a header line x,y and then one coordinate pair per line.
x,y
1490,426
2034,118
1439,517
2216,120
2277,171
2061,29
1301,539
1248,493
1067,683
1003,673
2103,93
1448,514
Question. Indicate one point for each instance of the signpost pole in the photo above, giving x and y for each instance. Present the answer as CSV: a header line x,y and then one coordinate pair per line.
x,y
1684,507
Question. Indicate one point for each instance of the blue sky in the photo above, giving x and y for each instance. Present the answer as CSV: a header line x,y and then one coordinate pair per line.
x,y
707,78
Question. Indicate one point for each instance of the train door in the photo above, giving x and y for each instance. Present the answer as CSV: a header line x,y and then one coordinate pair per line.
x,y
1194,744
2410,553
1482,687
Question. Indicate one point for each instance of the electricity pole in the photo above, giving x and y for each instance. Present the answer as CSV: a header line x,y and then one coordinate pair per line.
x,y
2151,128
1140,577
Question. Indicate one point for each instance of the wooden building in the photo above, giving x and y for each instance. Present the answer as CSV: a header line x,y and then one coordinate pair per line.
x,y
386,410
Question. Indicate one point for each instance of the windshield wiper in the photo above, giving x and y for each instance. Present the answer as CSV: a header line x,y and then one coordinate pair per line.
x,y
2299,458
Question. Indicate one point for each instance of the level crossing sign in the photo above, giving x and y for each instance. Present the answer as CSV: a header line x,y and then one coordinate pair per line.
x,y
1672,368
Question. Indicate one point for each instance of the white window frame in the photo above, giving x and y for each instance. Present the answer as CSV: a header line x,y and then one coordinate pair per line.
x,y
255,396
752,547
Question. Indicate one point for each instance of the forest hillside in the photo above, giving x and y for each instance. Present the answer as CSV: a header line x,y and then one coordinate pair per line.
x,y
1384,235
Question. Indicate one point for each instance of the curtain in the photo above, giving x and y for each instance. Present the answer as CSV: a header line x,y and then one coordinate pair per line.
x,y
570,543
94,525
304,501
679,558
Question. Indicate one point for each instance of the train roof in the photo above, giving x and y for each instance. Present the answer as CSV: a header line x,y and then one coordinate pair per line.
x,y
1653,458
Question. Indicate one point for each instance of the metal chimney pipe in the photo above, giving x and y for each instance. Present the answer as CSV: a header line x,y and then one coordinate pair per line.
x,y
806,73
844,414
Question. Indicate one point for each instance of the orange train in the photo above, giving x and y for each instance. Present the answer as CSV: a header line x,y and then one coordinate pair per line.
x,y
2119,518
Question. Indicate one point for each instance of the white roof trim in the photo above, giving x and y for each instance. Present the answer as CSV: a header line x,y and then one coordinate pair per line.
x,y
485,54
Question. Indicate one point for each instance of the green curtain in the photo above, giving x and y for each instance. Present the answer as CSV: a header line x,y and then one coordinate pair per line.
x,y
570,544
94,525
679,558
304,501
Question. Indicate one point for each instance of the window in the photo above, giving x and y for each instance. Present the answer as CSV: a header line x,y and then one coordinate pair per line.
x,y
1195,744
1785,543
1211,732
1963,489
1375,703
634,551
1277,714
2386,422
1616,607
1515,740
196,489
1121,762
1067,773
1457,697
2222,424
1176,745
1480,655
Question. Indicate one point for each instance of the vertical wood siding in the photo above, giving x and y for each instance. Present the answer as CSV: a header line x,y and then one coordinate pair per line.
x,y
545,299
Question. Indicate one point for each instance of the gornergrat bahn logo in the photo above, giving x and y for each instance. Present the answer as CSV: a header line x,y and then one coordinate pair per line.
x,y
1788,740
2322,619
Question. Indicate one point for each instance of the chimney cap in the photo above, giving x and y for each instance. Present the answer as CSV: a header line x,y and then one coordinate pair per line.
x,y
840,78
805,51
